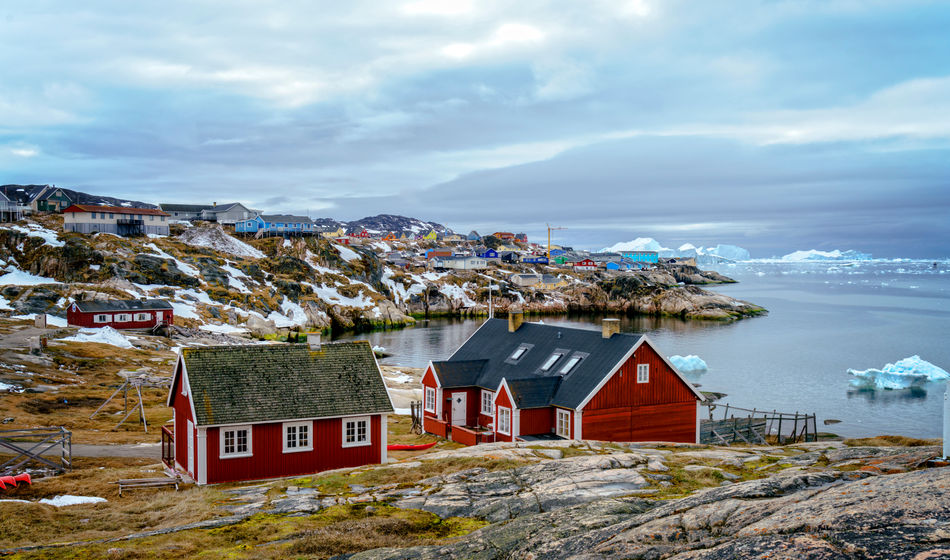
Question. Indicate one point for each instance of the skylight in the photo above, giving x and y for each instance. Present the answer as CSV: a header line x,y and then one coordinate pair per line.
x,y
552,359
570,365
518,353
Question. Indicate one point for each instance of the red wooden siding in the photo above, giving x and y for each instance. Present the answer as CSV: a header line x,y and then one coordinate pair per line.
x,y
269,460
623,389
662,422
182,406
433,426
473,402
82,319
536,421
503,400
428,380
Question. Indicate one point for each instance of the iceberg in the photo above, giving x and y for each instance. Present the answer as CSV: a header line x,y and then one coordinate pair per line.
x,y
730,252
704,255
904,374
689,363
836,255
638,244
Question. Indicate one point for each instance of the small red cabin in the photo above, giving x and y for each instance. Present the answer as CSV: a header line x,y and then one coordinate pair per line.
x,y
585,265
267,411
526,382
121,313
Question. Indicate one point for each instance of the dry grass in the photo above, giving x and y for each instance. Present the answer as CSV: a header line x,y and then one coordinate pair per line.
x,y
891,441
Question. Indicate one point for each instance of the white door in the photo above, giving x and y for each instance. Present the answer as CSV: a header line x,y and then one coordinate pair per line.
x,y
191,448
458,409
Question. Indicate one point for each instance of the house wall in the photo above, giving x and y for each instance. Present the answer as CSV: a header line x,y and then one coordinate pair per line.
x,y
428,380
502,399
473,404
84,222
536,421
87,319
182,406
269,460
623,410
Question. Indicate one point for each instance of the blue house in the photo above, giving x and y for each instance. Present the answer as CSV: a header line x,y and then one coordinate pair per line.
x,y
534,259
277,224
641,256
557,252
488,254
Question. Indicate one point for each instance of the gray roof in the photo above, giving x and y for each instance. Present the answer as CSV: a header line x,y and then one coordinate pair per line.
x,y
269,383
493,344
95,306
458,373
285,218
193,208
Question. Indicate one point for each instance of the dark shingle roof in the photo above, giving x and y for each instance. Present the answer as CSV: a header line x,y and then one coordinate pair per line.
x,y
535,392
493,343
284,219
96,306
459,373
267,383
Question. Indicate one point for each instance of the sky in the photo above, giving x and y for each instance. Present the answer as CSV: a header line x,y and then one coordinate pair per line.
x,y
773,125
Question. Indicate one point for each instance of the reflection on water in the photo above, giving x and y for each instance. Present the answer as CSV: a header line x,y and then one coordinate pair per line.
x,y
823,319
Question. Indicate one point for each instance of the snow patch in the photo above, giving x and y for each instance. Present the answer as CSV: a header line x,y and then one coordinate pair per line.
x,y
17,277
68,500
182,266
51,320
347,254
49,236
104,335
223,329
904,374
217,239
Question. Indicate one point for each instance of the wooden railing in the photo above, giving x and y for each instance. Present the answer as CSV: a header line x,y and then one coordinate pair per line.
x,y
30,445
742,425
168,447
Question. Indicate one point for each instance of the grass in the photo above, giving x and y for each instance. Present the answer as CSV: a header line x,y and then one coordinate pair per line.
x,y
891,441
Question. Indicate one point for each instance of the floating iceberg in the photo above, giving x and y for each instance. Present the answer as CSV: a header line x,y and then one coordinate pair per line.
x,y
730,252
836,255
688,364
904,374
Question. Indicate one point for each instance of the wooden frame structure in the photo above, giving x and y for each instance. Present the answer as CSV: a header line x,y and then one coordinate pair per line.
x,y
755,425
32,444
135,383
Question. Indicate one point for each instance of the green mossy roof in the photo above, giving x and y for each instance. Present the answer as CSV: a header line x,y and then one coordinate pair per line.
x,y
267,383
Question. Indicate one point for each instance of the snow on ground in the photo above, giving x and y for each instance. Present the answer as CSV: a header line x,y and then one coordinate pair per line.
x,y
431,276
5,304
104,335
312,261
398,377
689,363
17,277
293,316
452,291
332,296
287,243
182,266
399,290
223,329
347,254
68,500
234,276
904,374
185,310
36,230
52,320
217,239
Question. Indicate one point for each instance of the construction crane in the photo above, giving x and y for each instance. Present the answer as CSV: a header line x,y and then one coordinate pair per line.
x,y
549,238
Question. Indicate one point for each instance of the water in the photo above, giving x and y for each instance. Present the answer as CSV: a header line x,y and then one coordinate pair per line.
x,y
823,319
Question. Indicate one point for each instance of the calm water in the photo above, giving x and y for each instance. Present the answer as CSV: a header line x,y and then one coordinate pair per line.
x,y
823,319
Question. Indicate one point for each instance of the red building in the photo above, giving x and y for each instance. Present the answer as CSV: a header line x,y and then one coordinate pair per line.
x,y
526,382
266,411
585,265
121,313
505,235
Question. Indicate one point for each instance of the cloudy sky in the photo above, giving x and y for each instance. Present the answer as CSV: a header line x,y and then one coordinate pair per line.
x,y
771,125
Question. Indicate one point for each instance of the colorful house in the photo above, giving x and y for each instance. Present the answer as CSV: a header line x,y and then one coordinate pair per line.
x,y
584,265
439,252
117,220
534,259
266,411
339,232
488,254
521,237
50,199
121,313
459,263
276,224
431,236
504,235
641,256
524,382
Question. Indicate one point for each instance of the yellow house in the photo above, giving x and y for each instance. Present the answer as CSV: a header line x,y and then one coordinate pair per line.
x,y
431,236
453,237
334,234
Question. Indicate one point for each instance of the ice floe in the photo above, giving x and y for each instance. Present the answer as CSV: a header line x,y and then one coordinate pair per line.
x,y
903,374
691,363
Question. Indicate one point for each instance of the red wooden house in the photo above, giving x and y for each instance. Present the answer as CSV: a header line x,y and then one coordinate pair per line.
x,y
524,382
504,235
121,313
266,411
585,265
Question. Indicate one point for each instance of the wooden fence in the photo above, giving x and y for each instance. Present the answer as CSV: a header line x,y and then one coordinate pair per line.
x,y
742,425
30,445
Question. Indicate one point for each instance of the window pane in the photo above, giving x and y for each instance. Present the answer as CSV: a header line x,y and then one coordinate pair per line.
x,y
303,437
550,361
570,364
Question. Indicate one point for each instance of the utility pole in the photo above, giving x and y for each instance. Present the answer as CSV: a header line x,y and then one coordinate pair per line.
x,y
491,288
549,239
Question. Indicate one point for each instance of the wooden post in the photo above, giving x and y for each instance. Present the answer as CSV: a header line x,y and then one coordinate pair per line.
x,y
780,428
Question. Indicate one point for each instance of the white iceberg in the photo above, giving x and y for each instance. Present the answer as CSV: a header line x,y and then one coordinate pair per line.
x,y
104,335
688,364
904,374
638,244
836,255
730,252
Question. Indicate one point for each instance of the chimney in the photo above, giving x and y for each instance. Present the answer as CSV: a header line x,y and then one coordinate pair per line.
x,y
214,204
610,327
313,339
515,318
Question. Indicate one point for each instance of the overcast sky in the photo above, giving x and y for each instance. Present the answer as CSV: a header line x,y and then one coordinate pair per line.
x,y
771,125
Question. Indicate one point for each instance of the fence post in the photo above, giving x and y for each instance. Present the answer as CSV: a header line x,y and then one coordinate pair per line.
x,y
780,428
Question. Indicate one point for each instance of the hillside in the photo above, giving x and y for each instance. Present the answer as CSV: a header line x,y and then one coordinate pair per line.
x,y
223,284
25,192
383,224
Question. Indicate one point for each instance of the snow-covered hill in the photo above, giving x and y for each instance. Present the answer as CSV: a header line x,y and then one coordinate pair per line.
x,y
385,223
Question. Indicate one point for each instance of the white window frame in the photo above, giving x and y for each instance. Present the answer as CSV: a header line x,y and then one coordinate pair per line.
x,y
250,444
285,430
563,419
123,318
504,420
488,402
355,420
430,398
643,373
102,318
143,316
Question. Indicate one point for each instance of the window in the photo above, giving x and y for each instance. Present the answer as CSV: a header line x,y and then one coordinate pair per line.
x,y
151,217
564,423
111,215
163,218
643,373
567,367
356,431
235,442
430,399
504,421
550,361
100,319
143,316
519,353
123,317
297,436
487,404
